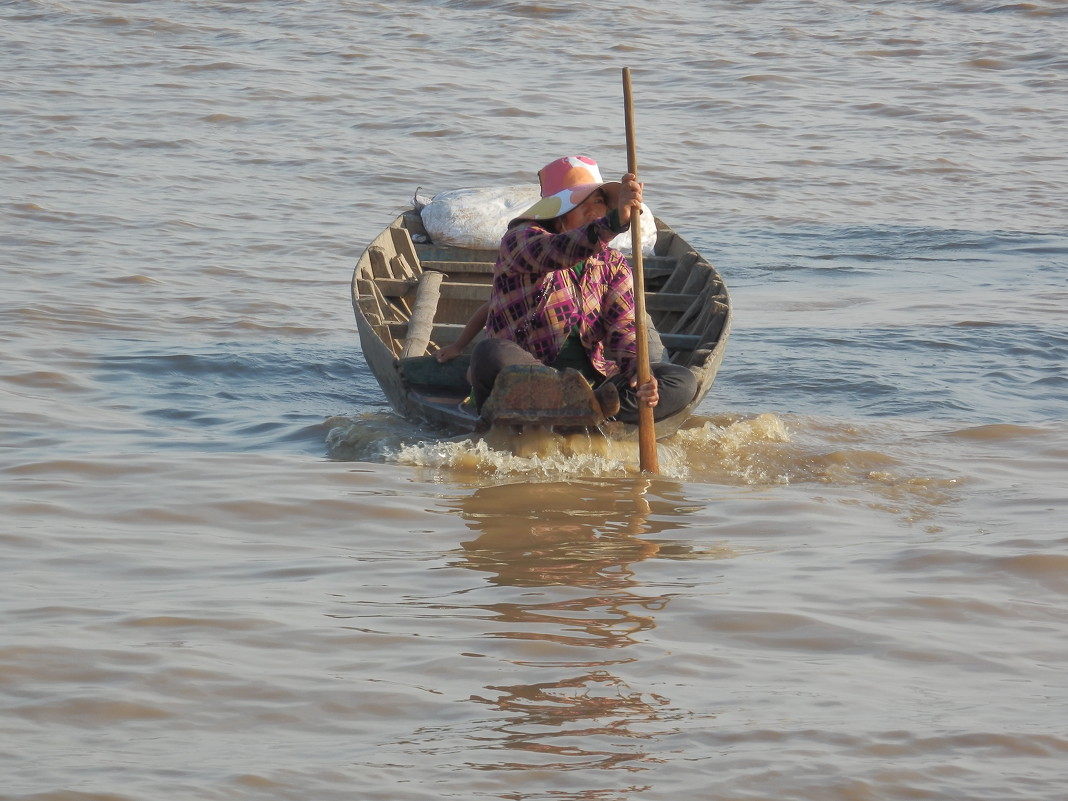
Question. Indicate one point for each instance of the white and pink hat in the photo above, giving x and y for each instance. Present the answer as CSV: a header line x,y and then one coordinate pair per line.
x,y
565,183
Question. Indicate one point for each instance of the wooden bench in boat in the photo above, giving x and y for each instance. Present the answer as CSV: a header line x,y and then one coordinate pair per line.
x,y
463,290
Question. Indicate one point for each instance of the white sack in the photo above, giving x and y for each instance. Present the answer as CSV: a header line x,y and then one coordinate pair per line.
x,y
478,218
624,241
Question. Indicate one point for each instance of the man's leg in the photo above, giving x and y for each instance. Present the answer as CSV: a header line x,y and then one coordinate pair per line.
x,y
676,386
489,357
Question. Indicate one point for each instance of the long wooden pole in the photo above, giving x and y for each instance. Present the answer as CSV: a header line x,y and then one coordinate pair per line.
x,y
647,458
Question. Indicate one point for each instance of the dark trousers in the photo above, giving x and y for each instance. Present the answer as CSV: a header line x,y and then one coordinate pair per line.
x,y
676,384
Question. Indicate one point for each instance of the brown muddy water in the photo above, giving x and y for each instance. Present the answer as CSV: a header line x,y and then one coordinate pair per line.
x,y
231,573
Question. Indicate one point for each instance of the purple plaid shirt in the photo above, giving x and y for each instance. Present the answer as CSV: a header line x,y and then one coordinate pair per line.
x,y
537,298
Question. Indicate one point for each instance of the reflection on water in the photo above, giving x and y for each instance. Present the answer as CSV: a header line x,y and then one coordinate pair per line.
x,y
573,534
589,720
572,707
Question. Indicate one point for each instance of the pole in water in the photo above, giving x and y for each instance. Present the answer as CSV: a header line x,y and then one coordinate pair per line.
x,y
647,457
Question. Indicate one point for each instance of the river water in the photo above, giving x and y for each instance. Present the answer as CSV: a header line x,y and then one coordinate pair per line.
x,y
229,572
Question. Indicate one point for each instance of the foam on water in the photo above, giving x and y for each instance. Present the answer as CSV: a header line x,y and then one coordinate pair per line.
x,y
725,452
760,451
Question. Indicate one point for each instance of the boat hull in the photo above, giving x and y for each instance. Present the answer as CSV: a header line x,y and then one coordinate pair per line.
x,y
411,297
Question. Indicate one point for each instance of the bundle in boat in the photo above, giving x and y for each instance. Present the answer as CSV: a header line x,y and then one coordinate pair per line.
x,y
533,394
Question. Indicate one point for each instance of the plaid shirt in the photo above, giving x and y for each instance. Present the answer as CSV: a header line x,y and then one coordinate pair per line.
x,y
537,298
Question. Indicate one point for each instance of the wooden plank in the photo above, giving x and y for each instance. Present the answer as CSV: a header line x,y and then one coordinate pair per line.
x,y
668,301
397,287
444,333
455,267
405,248
653,274
684,266
388,312
697,280
445,253
449,290
464,291
665,238
412,222
688,320
712,324
369,307
401,268
658,265
711,311
371,298
380,268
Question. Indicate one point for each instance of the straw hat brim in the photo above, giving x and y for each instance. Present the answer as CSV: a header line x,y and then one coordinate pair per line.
x,y
553,206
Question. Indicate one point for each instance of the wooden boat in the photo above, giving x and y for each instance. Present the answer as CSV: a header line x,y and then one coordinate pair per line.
x,y
411,297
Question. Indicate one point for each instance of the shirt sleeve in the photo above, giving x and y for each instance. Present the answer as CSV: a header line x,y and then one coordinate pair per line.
x,y
532,249
621,342
614,223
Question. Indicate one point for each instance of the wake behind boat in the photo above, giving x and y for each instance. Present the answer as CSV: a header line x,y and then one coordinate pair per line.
x,y
412,296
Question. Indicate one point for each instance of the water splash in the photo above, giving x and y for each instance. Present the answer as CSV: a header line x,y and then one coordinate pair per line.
x,y
735,449
727,450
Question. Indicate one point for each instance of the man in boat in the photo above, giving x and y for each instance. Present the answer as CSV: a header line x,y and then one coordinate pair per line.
x,y
563,298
